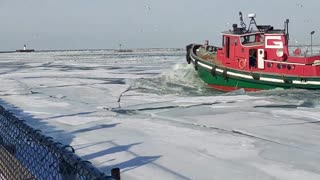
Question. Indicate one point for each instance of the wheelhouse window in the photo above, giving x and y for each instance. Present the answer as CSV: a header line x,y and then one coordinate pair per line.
x,y
254,38
248,39
223,40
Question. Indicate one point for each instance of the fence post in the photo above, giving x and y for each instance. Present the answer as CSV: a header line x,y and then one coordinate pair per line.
x,y
67,172
115,173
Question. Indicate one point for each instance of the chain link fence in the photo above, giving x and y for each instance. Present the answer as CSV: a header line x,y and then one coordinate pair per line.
x,y
27,154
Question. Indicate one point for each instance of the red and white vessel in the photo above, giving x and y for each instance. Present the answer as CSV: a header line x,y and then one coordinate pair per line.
x,y
255,58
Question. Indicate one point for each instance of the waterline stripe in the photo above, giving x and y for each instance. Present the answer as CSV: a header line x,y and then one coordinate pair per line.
x,y
306,82
271,80
205,66
240,75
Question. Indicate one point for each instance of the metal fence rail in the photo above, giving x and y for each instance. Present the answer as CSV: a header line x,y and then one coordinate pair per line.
x,y
25,153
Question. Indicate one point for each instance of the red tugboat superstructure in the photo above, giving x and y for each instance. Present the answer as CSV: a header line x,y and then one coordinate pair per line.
x,y
254,60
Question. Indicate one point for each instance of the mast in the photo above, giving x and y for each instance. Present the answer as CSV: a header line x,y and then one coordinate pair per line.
x,y
286,29
242,23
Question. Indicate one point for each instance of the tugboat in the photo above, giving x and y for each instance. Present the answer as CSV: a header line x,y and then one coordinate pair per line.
x,y
25,49
254,58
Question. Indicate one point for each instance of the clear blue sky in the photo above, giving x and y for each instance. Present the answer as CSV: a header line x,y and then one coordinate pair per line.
x,y
78,24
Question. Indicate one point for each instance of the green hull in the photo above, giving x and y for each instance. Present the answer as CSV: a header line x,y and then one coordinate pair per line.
x,y
230,79
232,83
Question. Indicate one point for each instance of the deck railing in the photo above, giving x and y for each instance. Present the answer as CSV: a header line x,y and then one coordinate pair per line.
x,y
25,153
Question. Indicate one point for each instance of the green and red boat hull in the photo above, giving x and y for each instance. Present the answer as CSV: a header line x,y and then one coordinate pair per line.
x,y
228,79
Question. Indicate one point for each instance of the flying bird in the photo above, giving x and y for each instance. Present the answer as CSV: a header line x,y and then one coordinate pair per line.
x,y
299,5
148,7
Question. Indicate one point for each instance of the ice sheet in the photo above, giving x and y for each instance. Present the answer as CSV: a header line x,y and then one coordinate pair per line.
x,y
148,113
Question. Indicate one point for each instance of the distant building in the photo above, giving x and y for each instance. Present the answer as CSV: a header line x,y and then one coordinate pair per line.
x,y
25,49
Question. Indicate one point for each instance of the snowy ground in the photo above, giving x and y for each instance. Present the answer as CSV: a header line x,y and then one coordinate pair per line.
x,y
167,125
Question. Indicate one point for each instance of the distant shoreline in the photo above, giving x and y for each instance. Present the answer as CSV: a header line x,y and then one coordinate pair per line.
x,y
133,49
8,51
57,50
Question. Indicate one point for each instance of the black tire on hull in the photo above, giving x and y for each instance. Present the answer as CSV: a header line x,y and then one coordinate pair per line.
x,y
225,74
256,76
213,71
188,48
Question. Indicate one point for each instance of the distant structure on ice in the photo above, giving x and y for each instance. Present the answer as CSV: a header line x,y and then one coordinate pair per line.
x,y
25,49
123,50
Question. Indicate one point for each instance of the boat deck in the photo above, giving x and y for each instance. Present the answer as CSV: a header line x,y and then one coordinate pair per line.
x,y
210,56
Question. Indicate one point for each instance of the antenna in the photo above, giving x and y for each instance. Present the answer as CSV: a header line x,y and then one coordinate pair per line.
x,y
242,23
286,29
252,21
312,33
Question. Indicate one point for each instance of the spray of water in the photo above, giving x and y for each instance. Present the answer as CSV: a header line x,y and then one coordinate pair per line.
x,y
180,80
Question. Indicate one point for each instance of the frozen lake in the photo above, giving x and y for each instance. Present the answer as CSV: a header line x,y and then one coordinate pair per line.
x,y
147,113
